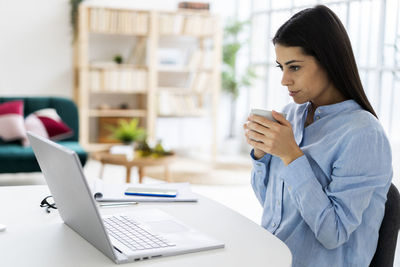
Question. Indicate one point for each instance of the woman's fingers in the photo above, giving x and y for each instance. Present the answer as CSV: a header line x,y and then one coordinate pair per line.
x,y
280,118
264,121
255,135
255,127
259,145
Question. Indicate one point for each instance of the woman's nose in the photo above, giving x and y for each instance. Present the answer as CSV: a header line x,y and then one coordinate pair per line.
x,y
286,79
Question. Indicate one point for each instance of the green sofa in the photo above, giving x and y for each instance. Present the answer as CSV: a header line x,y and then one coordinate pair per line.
x,y
16,158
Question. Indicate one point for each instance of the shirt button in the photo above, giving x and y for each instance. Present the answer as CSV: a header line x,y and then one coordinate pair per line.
x,y
289,188
317,117
274,224
258,172
278,202
319,111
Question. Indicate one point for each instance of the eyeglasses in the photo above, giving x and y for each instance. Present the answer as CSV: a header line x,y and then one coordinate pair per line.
x,y
48,203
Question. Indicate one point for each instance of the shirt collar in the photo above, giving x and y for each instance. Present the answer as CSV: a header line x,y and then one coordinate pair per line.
x,y
320,112
344,106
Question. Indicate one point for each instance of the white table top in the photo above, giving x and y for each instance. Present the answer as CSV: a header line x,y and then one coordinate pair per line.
x,y
35,238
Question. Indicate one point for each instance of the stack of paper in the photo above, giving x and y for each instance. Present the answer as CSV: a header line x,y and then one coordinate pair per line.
x,y
104,192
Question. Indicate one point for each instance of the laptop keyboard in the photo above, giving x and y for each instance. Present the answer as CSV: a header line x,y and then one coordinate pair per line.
x,y
131,234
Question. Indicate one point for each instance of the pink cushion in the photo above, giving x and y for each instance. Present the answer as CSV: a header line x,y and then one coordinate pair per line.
x,y
47,123
12,121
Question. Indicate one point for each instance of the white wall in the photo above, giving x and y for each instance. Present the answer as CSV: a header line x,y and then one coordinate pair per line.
x,y
36,54
35,48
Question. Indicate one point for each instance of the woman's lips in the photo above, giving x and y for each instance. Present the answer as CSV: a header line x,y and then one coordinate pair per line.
x,y
293,93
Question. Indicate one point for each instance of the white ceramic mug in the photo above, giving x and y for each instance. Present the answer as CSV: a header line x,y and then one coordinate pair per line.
x,y
265,113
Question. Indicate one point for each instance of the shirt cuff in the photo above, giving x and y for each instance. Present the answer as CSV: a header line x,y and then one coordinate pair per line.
x,y
265,159
297,173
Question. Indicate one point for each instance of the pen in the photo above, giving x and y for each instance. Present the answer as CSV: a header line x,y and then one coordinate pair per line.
x,y
117,204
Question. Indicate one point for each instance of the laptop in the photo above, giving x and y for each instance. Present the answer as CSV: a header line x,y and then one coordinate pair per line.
x,y
138,235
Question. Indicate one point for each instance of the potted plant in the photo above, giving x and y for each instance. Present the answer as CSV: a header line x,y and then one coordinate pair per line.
x,y
74,16
127,132
232,81
143,149
118,59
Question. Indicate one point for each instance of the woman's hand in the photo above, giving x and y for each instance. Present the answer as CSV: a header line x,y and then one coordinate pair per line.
x,y
275,138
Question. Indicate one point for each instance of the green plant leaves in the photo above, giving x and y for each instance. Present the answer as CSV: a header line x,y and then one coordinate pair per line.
x,y
231,80
127,131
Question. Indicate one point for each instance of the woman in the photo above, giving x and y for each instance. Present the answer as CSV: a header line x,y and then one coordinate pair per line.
x,y
323,172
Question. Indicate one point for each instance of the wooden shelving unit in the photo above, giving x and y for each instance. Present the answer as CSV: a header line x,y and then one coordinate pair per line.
x,y
146,86
118,113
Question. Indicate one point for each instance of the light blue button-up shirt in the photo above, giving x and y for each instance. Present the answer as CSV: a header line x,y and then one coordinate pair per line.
x,y
327,206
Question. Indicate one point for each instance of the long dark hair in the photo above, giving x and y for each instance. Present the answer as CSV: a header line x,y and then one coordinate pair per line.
x,y
322,35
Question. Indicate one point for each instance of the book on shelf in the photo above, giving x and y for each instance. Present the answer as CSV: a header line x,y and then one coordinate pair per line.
x,y
200,82
178,24
170,24
200,59
177,103
118,21
140,23
195,60
118,80
165,25
199,25
104,20
114,25
190,102
208,26
95,80
93,21
138,52
121,20
192,25
127,21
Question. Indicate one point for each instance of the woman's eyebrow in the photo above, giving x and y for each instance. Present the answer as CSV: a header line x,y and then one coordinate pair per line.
x,y
290,61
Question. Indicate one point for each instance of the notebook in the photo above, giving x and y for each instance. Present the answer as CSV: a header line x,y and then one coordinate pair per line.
x,y
107,192
154,232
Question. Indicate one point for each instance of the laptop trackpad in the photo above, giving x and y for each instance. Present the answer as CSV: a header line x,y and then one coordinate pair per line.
x,y
167,226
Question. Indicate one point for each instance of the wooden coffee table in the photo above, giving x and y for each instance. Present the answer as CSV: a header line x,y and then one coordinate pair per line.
x,y
105,157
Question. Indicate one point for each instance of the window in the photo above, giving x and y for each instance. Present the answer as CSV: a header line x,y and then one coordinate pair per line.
x,y
373,27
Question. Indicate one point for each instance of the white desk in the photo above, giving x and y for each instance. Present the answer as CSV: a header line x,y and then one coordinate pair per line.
x,y
35,238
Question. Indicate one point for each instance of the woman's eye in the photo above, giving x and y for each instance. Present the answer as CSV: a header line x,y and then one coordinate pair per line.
x,y
294,68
